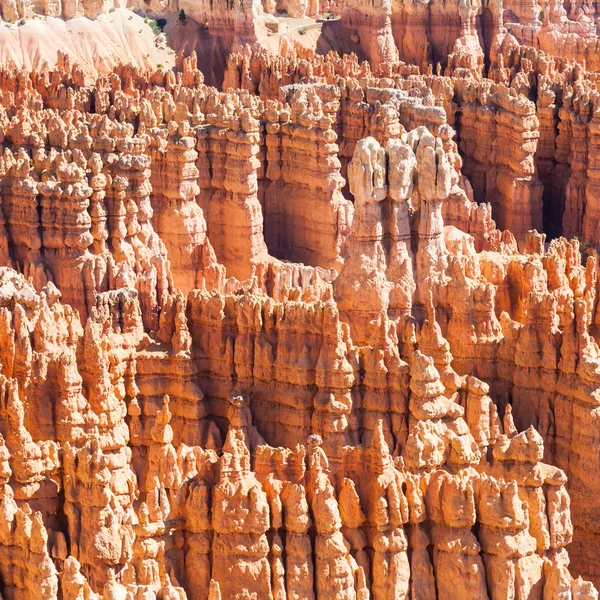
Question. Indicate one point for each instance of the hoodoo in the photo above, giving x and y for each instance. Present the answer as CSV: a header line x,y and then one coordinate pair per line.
x,y
299,300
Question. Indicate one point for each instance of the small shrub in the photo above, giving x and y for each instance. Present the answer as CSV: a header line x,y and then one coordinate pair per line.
x,y
160,66
182,17
542,15
154,26
302,31
161,23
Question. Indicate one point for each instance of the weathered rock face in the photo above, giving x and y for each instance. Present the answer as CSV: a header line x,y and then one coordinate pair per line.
x,y
270,343
307,216
462,487
371,24
499,139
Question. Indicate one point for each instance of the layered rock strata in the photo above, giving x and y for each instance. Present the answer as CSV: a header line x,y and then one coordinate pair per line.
x,y
226,375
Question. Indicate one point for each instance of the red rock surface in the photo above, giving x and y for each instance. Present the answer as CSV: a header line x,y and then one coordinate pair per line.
x,y
325,332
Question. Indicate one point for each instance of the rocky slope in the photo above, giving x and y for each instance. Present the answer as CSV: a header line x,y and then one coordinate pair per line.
x,y
97,45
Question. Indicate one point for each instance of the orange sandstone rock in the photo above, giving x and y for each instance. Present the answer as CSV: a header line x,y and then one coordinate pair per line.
x,y
226,375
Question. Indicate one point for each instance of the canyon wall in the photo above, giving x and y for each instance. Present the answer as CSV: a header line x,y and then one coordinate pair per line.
x,y
273,348
328,331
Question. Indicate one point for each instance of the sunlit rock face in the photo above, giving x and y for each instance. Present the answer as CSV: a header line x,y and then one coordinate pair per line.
x,y
313,335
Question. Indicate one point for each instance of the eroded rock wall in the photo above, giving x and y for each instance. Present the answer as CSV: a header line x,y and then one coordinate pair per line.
x,y
225,374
